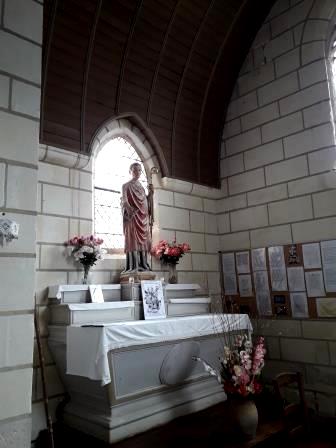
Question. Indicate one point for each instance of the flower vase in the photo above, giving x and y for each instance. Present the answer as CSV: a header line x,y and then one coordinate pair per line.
x,y
245,414
172,275
85,279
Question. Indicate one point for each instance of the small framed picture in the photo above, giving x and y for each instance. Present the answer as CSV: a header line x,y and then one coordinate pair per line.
x,y
153,299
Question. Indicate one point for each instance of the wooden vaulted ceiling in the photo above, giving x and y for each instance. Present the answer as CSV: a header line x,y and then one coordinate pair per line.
x,y
167,65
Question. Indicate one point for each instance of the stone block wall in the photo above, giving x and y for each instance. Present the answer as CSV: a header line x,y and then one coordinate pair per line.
x,y
20,80
277,161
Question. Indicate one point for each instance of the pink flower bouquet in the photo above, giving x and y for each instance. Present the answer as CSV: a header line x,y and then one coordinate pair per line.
x,y
170,253
86,249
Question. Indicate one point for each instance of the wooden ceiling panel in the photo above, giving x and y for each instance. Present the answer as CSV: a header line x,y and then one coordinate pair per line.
x,y
170,64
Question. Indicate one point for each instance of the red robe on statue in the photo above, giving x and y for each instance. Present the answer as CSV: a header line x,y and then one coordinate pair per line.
x,y
135,217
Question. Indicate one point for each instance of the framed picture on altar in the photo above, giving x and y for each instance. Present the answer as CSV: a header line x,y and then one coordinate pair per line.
x,y
153,299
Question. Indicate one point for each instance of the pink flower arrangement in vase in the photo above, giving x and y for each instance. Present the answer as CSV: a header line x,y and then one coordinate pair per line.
x,y
86,250
170,253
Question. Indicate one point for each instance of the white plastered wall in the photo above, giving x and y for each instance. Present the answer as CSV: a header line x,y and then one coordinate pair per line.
x,y
20,80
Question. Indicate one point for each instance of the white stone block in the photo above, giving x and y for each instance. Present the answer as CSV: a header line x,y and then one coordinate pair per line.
x,y
249,218
52,229
260,116
53,174
232,165
278,89
291,17
19,137
291,210
204,263
279,7
250,180
320,113
210,205
255,79
276,327
271,236
212,244
242,105
210,223
17,432
234,241
17,334
273,348
319,329
197,222
14,54
316,230
282,127
164,197
324,204
243,141
263,35
264,155
309,140
287,62
315,30
185,263
17,283
15,391
193,277
213,282
58,200
4,90
298,32
196,240
21,188
84,200
312,73
26,99
56,257
286,170
312,184
304,98
223,223
304,351
323,160
2,184
265,195
174,218
188,202
24,17
279,45
52,379
85,227
232,128
232,203
44,279
323,10
312,51
319,377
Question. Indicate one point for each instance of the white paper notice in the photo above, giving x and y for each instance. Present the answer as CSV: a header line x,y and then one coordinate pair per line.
x,y
230,284
259,259
326,307
245,285
264,303
279,279
228,263
329,272
299,304
311,256
261,281
328,249
96,294
314,282
276,257
243,262
296,280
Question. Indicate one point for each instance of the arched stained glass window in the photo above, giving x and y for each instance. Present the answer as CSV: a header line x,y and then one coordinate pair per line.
x,y
111,171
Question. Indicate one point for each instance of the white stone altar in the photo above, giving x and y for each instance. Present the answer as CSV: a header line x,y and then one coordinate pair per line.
x,y
126,376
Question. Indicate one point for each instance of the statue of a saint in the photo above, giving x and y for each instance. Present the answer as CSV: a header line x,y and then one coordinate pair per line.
x,y
137,212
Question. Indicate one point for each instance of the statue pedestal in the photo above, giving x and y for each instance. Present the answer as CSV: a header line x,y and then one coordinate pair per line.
x,y
137,276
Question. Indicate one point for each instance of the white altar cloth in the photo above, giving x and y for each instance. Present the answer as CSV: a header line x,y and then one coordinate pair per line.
x,y
87,346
